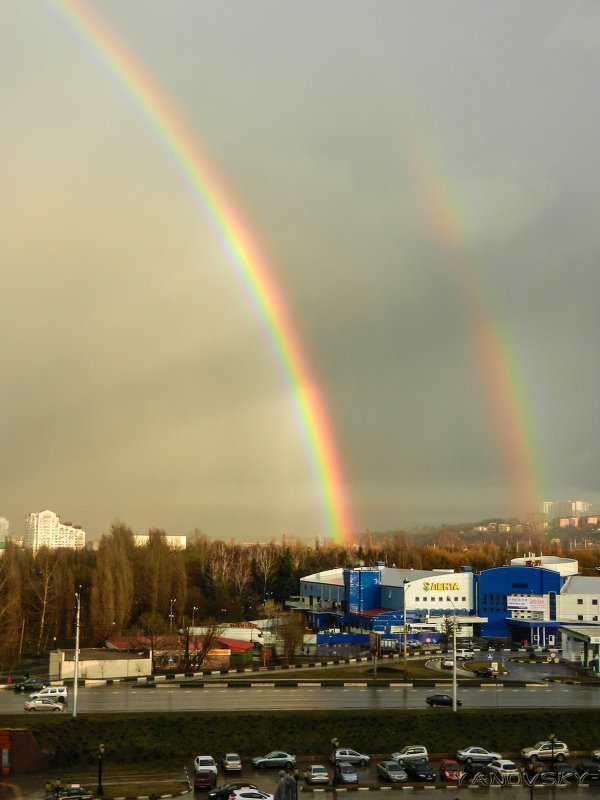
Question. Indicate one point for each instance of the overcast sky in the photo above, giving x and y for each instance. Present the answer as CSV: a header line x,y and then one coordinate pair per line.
x,y
135,381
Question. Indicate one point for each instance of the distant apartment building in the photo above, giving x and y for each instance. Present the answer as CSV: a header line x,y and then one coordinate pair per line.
x,y
174,542
44,529
566,508
4,528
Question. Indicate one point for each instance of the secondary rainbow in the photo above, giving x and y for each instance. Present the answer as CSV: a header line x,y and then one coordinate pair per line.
x,y
242,253
497,362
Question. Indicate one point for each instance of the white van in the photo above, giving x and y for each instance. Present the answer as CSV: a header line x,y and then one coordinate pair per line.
x,y
58,693
464,654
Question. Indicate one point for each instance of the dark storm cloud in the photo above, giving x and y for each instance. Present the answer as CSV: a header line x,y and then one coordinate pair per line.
x,y
136,382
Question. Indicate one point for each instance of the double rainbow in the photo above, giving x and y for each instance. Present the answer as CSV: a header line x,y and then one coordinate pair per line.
x,y
243,256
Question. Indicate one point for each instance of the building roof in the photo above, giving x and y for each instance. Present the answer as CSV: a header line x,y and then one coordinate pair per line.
x,y
175,642
589,633
334,577
581,584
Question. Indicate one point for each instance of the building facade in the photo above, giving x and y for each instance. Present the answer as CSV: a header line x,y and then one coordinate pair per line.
x,y
44,529
525,602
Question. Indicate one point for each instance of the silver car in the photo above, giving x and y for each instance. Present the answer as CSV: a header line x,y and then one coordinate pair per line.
x,y
350,756
476,755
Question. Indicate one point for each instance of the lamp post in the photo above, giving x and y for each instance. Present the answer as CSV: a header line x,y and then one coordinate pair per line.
x,y
334,746
453,655
100,790
194,609
552,739
173,600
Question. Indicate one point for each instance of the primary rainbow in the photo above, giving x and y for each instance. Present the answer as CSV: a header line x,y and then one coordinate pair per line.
x,y
243,256
498,365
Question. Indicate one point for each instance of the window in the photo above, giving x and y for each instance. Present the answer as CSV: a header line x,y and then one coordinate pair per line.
x,y
580,617
595,619
416,599
580,601
484,599
464,599
595,601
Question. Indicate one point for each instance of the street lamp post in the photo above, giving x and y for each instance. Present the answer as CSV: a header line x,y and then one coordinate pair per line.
x,y
552,739
453,656
100,790
173,600
334,746
194,609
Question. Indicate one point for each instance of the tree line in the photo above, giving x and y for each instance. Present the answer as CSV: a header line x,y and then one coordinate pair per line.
x,y
127,589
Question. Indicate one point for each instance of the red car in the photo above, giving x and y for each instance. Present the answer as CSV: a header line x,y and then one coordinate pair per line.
x,y
449,770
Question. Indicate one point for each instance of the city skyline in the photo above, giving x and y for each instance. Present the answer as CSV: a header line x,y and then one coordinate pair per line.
x,y
422,187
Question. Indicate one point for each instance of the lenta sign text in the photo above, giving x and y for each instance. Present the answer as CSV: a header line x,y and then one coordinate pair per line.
x,y
429,586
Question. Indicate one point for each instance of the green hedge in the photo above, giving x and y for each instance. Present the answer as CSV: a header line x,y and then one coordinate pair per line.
x,y
178,737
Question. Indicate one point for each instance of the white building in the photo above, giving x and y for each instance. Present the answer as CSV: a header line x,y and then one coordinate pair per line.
x,y
4,528
44,529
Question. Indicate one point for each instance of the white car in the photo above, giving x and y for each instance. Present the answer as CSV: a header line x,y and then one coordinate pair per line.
x,y
43,704
502,766
477,755
231,762
250,794
59,693
316,773
206,764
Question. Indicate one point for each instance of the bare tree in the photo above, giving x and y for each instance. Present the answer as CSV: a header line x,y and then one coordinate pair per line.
x,y
291,630
195,649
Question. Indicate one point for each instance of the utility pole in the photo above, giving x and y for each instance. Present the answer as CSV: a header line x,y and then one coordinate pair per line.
x,y
76,664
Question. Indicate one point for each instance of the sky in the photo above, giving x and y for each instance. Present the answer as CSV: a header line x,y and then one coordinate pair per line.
x,y
422,182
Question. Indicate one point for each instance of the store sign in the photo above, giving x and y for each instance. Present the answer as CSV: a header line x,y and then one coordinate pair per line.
x,y
445,586
528,603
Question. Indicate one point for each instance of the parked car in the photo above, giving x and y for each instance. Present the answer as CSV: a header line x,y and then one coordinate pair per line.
x,y
588,771
419,771
476,754
412,752
450,770
58,693
351,756
31,684
561,770
475,770
205,772
503,766
555,751
596,754
276,758
231,762
447,663
250,794
440,700
344,772
391,771
466,655
224,792
43,704
73,791
316,773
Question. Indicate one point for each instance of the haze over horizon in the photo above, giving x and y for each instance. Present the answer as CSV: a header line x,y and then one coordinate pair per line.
x,y
416,175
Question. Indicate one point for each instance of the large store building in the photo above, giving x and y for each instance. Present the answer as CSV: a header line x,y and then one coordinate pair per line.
x,y
526,601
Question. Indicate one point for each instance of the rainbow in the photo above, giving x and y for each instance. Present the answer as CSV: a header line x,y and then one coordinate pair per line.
x,y
243,256
496,359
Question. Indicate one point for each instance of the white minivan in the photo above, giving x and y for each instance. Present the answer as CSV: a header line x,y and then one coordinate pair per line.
x,y
58,693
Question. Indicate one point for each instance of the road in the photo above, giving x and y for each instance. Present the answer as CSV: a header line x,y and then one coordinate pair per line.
x,y
138,698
